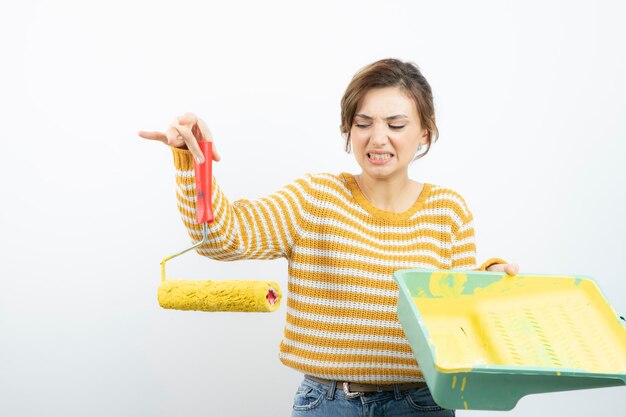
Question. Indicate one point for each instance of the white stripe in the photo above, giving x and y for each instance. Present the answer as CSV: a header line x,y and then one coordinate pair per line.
x,y
339,181
187,208
217,200
358,273
275,225
468,267
225,251
283,221
468,240
183,196
253,229
195,229
372,228
348,202
467,226
390,246
292,206
374,236
290,217
376,262
370,378
353,337
187,173
463,255
225,210
386,308
348,351
349,365
349,321
215,225
271,248
260,225
360,289
448,196
187,187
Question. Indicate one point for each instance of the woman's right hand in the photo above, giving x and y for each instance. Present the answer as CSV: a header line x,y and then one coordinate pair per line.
x,y
185,132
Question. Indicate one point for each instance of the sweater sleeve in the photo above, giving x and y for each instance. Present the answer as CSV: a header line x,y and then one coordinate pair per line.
x,y
265,228
463,244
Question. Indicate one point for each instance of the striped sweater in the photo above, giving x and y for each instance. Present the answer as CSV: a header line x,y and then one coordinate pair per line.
x,y
341,251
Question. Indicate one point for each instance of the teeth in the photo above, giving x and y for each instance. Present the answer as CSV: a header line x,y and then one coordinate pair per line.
x,y
379,156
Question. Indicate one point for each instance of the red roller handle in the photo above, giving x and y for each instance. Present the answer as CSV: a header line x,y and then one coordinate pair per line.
x,y
204,176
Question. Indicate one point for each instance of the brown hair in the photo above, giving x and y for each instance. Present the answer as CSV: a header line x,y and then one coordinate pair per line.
x,y
390,73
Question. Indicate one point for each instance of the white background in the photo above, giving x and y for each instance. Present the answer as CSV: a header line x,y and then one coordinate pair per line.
x,y
530,99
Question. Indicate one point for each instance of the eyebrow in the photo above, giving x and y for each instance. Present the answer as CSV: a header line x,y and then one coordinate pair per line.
x,y
394,117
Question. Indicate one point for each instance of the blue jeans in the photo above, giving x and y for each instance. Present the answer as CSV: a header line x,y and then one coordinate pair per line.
x,y
314,399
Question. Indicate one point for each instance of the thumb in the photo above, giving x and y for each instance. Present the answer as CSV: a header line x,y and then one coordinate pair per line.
x,y
510,269
216,155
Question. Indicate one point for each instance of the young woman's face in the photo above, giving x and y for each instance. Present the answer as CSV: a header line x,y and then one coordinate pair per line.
x,y
386,132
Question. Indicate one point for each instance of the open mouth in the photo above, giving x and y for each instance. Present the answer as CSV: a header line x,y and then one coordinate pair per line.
x,y
379,156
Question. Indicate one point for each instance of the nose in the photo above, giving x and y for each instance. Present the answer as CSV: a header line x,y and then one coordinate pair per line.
x,y
379,135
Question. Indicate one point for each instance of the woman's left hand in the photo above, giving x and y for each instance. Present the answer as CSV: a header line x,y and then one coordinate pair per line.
x,y
510,269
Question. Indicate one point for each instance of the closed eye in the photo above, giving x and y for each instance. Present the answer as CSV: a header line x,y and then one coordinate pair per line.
x,y
361,126
364,126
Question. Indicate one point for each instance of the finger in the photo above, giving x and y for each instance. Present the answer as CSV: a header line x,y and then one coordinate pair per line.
x,y
153,136
206,133
187,119
191,142
511,269
204,129
216,156
174,137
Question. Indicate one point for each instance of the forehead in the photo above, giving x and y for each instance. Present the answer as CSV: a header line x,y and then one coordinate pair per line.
x,y
385,102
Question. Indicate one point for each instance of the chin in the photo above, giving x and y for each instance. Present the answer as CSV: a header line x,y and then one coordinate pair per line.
x,y
379,172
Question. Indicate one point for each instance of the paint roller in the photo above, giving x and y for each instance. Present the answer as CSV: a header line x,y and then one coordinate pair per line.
x,y
208,295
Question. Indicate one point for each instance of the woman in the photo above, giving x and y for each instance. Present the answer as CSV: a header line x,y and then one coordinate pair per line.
x,y
344,236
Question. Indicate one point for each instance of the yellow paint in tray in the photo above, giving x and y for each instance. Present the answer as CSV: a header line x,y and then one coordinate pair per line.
x,y
525,321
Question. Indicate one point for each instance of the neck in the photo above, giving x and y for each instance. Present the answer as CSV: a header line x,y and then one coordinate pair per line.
x,y
396,194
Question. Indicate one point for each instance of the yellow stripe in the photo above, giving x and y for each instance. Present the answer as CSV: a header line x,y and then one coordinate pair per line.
x,y
385,270
337,295
328,342
464,263
356,373
465,248
357,263
352,313
278,229
371,236
364,282
465,234
340,357
344,328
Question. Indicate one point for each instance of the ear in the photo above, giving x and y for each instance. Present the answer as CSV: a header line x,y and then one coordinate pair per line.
x,y
347,143
424,137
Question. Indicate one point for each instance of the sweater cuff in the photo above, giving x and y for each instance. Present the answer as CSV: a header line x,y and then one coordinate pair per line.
x,y
489,262
183,159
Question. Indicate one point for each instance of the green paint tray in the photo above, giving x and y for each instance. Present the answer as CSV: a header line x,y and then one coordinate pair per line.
x,y
483,340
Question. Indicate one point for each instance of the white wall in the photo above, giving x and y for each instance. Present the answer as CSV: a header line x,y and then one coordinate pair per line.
x,y
531,103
